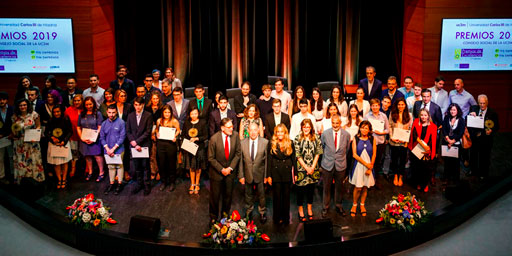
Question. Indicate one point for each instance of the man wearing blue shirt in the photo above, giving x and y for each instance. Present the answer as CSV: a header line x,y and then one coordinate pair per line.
x,y
112,136
460,96
407,89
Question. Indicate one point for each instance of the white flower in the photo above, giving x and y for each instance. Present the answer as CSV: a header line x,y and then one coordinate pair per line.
x,y
242,224
234,226
246,237
86,217
102,211
399,222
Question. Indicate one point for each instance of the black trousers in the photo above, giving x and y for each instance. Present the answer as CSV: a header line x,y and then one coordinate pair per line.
x,y
480,155
220,188
398,159
422,171
307,191
281,201
338,177
452,167
166,153
381,149
140,166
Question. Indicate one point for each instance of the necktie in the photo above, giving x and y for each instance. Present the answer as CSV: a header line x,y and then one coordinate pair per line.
x,y
424,106
335,141
252,151
200,106
481,113
226,148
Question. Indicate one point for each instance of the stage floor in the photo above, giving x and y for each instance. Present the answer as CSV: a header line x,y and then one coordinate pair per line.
x,y
186,216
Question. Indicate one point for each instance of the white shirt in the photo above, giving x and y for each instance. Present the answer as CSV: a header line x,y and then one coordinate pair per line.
x,y
255,146
410,103
138,116
426,106
285,98
277,118
223,114
483,113
370,85
97,95
178,107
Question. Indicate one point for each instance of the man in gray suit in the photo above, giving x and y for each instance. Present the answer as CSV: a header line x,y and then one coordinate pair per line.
x,y
224,156
179,105
253,170
336,144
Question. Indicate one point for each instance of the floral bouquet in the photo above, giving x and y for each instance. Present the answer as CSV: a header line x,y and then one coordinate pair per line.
x,y
403,212
234,232
88,211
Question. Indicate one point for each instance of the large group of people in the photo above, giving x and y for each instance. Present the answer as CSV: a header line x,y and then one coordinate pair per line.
x,y
149,131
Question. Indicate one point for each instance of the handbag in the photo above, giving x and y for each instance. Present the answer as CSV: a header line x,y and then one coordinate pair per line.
x,y
466,139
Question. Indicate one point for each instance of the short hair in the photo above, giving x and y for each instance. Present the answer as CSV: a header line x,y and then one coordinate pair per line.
x,y
386,97
166,81
199,86
458,78
335,116
303,101
372,68
225,121
392,78
70,77
94,75
266,87
112,106
148,75
246,83
33,88
4,95
155,70
139,100
409,77
223,97
177,89
439,79
374,101
426,90
276,100
484,97
279,80
140,85
119,67
418,85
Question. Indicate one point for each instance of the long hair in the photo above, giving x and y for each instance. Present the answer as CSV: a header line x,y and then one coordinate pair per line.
x,y
395,112
341,98
286,145
295,105
17,110
349,118
94,106
256,114
429,120
365,123
328,114
159,95
311,135
459,111
320,105
162,119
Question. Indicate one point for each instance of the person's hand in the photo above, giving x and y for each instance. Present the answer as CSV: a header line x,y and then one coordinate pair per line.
x,y
111,154
240,115
174,140
427,152
368,172
225,171
488,131
153,137
55,140
395,141
427,148
269,180
473,113
194,139
242,181
265,181
369,166
32,141
133,143
138,148
310,170
262,97
89,142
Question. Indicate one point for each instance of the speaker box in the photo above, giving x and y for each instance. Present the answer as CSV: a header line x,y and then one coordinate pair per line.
x,y
319,230
144,227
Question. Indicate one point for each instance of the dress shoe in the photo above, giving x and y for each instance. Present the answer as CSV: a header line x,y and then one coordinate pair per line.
x,y
136,190
341,212
109,189
172,187
324,213
118,190
263,218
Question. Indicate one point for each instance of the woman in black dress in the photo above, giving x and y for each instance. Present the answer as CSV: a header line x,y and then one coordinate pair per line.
x,y
195,130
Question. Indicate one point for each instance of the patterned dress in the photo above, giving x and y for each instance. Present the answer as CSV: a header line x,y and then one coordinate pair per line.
x,y
358,178
307,149
245,124
27,155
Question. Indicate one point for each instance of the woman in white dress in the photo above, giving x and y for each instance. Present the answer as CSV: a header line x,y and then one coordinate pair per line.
x,y
337,98
317,105
362,176
353,121
362,105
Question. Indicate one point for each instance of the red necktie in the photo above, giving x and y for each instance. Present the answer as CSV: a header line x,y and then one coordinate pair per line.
x,y
335,141
226,148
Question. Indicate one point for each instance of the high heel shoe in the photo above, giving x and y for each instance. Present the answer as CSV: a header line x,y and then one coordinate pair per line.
x,y
88,177
59,184
363,210
191,189
301,218
64,184
395,181
426,189
198,187
400,183
310,217
353,210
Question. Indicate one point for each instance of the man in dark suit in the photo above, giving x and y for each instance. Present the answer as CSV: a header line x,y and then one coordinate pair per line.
x,y
203,104
433,109
33,98
70,92
372,87
138,132
253,170
336,144
123,83
6,113
220,113
224,157
242,101
391,91
178,105
482,139
275,118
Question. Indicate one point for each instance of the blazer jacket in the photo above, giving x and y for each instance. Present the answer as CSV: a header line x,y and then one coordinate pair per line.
x,y
332,157
442,99
140,133
214,121
270,124
376,89
207,108
434,110
253,171
489,115
183,113
217,159
239,102
5,124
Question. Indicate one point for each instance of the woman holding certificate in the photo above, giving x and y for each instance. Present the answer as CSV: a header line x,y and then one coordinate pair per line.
x,y
59,131
196,131
400,122
88,128
423,147
166,131
27,154
453,129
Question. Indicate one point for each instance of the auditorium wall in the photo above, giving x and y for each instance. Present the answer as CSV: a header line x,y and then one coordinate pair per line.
x,y
422,42
93,34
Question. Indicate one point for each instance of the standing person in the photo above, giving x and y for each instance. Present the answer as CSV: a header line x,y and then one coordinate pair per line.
x,y
483,138
34,100
201,103
169,74
423,132
331,110
265,102
166,150
378,136
362,176
353,121
362,104
24,84
196,131
453,130
400,119
308,149
460,96
45,114
156,79
154,106
245,99
220,113
433,109
392,91
6,153
282,95
224,157
216,102
148,84
275,118
109,100
386,106
297,119
138,132
407,89
112,136
121,82
251,115
167,95
338,99
280,170
50,83
123,107
91,118
69,93
27,155
94,90
178,104
73,113
316,106
293,106
416,97
59,131
372,87
440,95
335,144
253,170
